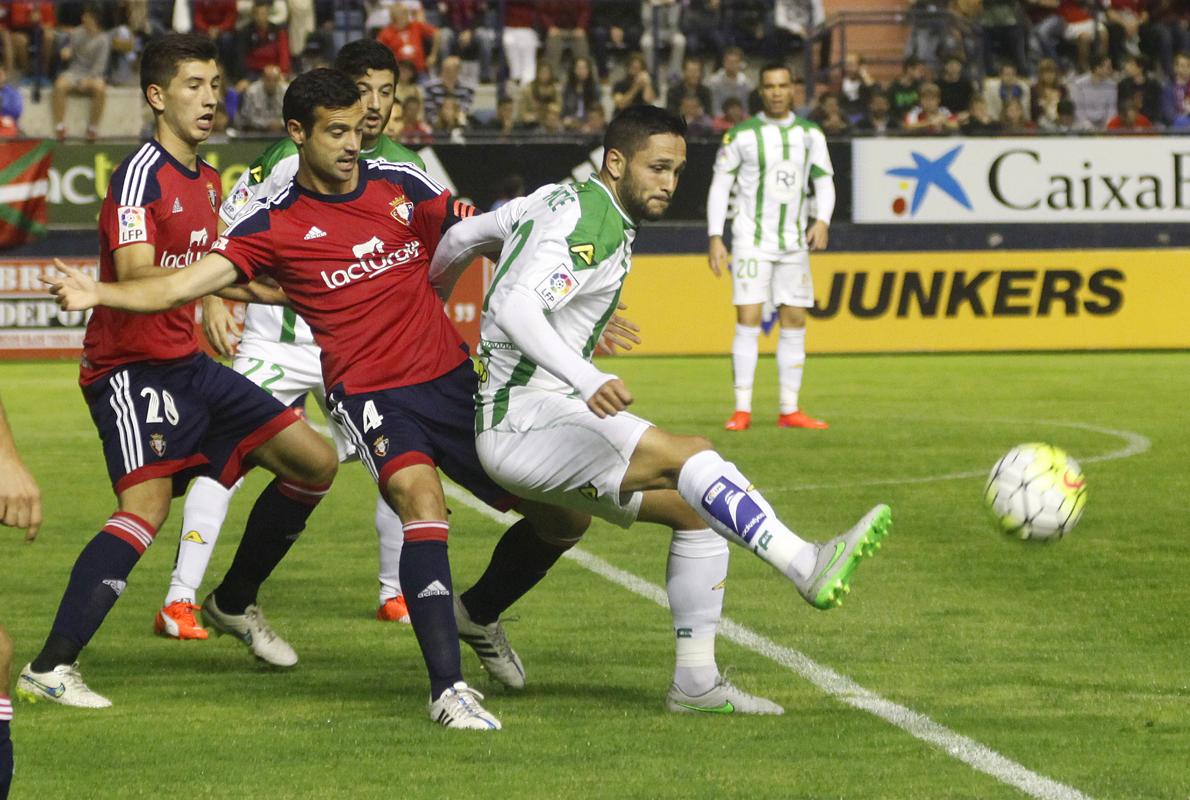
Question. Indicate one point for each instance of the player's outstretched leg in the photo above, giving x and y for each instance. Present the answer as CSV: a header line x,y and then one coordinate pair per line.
x,y
96,581
728,502
389,533
305,467
202,520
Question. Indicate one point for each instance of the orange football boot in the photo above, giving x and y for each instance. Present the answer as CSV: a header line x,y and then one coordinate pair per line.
x,y
177,621
393,610
740,421
799,420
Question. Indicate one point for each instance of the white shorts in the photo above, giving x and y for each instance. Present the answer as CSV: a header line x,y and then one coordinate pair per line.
x,y
288,371
553,449
758,277
1076,30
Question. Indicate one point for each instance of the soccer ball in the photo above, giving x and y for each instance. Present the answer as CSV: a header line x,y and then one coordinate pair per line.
x,y
1036,492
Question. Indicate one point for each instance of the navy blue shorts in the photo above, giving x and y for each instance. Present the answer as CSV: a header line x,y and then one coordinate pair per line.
x,y
181,418
427,423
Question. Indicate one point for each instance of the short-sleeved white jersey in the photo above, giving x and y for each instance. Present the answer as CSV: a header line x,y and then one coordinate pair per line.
x,y
773,164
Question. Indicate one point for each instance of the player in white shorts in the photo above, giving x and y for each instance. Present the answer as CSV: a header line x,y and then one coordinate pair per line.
x,y
551,427
278,353
772,158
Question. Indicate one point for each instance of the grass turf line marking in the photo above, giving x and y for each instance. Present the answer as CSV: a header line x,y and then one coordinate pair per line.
x,y
840,687
1135,444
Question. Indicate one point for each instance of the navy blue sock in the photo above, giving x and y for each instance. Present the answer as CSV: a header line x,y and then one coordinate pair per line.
x,y
96,582
276,521
521,559
5,758
425,579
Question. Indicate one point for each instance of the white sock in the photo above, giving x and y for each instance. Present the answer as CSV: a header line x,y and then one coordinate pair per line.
x,y
392,536
791,358
744,349
735,510
202,519
694,580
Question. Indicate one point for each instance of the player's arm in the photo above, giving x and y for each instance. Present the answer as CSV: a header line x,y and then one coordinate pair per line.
x,y
77,291
480,235
20,499
727,163
822,174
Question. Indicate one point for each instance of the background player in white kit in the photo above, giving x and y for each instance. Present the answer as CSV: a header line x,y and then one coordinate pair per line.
x,y
772,158
551,427
278,353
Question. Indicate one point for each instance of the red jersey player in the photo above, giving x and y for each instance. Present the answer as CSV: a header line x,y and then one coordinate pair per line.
x,y
398,377
163,409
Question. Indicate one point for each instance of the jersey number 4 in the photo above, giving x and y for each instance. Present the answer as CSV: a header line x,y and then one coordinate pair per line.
x,y
372,417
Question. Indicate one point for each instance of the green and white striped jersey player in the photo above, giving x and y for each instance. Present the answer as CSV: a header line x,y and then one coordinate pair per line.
x,y
551,426
277,351
772,159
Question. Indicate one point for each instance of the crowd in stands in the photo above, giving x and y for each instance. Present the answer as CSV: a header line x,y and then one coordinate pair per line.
x,y
563,67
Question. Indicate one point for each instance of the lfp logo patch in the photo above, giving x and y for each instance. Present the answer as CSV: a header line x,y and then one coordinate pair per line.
x,y
132,224
557,286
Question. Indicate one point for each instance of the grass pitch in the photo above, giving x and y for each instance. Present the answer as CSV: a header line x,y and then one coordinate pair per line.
x,y
1068,659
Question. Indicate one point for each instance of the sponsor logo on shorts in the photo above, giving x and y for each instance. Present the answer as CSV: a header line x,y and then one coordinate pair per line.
x,y
380,446
557,286
132,224
157,443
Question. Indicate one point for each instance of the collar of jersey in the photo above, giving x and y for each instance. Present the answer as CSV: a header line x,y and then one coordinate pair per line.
x,y
766,118
178,165
616,203
336,198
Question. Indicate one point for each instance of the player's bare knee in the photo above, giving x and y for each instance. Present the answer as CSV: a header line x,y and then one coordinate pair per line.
x,y
323,465
561,527
416,493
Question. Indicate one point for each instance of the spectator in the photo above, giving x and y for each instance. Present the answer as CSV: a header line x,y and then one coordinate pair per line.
x,y
732,115
905,91
705,28
449,120
504,122
956,89
690,85
879,120
793,24
407,82
595,123
565,23
376,15
857,87
11,106
749,24
930,116
1168,32
1047,26
1124,21
636,88
407,38
1129,119
550,121
829,116
1013,121
413,130
616,31
464,34
449,85
582,92
1004,34
216,19
699,124
521,40
1045,107
1082,27
1175,97
979,122
512,188
963,35
1008,86
1138,88
1094,95
662,18
260,44
539,93
125,44
86,56
730,81
30,26
260,108
1068,122
1048,78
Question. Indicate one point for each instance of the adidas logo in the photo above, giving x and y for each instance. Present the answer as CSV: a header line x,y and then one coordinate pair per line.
x,y
115,585
315,232
177,205
435,589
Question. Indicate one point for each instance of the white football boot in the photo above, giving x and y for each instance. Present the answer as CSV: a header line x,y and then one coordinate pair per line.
x,y
252,629
458,707
63,685
837,558
492,647
723,698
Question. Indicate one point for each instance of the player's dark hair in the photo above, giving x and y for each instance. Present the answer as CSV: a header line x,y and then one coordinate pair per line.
x,y
633,126
318,88
773,66
164,54
357,57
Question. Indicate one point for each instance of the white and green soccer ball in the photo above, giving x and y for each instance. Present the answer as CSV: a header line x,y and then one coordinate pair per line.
x,y
1036,492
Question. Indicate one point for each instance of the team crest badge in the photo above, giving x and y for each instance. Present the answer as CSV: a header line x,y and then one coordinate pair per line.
x,y
401,209
380,446
213,196
157,443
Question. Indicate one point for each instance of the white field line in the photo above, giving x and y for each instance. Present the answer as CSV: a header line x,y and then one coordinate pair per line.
x,y
1134,444
840,687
